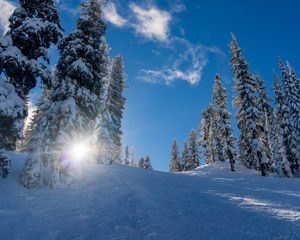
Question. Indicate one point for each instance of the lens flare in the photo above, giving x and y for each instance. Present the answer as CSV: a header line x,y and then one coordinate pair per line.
x,y
79,151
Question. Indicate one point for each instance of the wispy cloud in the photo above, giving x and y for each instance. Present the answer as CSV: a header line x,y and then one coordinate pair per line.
x,y
6,9
151,22
187,64
147,21
111,15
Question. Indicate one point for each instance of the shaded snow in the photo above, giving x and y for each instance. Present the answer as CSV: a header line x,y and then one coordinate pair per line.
x,y
118,202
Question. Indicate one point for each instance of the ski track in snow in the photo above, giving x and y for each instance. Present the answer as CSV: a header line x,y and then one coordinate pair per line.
x,y
123,203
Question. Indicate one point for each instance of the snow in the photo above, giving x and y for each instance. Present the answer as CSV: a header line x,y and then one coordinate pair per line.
x,y
120,202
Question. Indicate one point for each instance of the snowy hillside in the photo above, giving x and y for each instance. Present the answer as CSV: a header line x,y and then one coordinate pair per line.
x,y
117,202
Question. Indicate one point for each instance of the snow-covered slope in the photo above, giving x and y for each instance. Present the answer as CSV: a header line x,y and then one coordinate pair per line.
x,y
117,202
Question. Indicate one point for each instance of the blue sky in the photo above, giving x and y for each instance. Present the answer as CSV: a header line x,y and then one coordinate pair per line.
x,y
173,49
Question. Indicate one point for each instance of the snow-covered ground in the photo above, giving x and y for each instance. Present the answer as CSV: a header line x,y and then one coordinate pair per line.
x,y
118,203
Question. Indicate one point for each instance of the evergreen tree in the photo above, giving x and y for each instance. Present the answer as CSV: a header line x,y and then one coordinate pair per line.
x,y
266,119
205,134
12,114
142,162
251,150
286,140
109,129
4,164
175,164
133,162
127,156
194,160
145,163
185,157
292,99
34,26
148,165
222,123
73,109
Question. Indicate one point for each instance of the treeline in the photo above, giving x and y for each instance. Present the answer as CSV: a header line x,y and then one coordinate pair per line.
x,y
82,98
269,134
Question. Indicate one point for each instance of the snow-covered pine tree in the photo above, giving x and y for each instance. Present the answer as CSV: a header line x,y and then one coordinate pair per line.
x,y
292,98
251,149
175,163
194,160
286,141
266,119
133,162
185,157
217,130
34,26
110,133
127,156
4,164
205,134
277,129
148,165
73,110
145,163
222,123
142,162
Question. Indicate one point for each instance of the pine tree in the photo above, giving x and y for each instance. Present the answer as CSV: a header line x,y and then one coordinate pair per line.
x,y
194,160
285,138
251,151
266,119
127,156
142,162
73,109
12,114
205,134
217,130
222,123
185,157
34,26
109,129
133,162
4,164
145,163
292,99
148,165
175,163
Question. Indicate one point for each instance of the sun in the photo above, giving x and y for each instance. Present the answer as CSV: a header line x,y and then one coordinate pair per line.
x,y
79,151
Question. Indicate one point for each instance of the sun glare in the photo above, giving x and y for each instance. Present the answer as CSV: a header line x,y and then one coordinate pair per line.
x,y
79,151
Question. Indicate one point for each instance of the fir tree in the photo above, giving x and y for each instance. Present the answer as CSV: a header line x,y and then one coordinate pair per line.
x,y
127,156
145,163
266,119
205,134
133,162
12,114
292,99
286,140
251,150
222,123
73,109
194,159
142,162
185,156
34,26
148,165
175,163
4,164
110,132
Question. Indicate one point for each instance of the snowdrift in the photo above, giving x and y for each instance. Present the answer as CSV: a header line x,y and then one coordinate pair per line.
x,y
118,203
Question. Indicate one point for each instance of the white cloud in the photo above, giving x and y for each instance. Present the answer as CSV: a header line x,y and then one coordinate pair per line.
x,y
187,64
152,22
111,15
6,9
